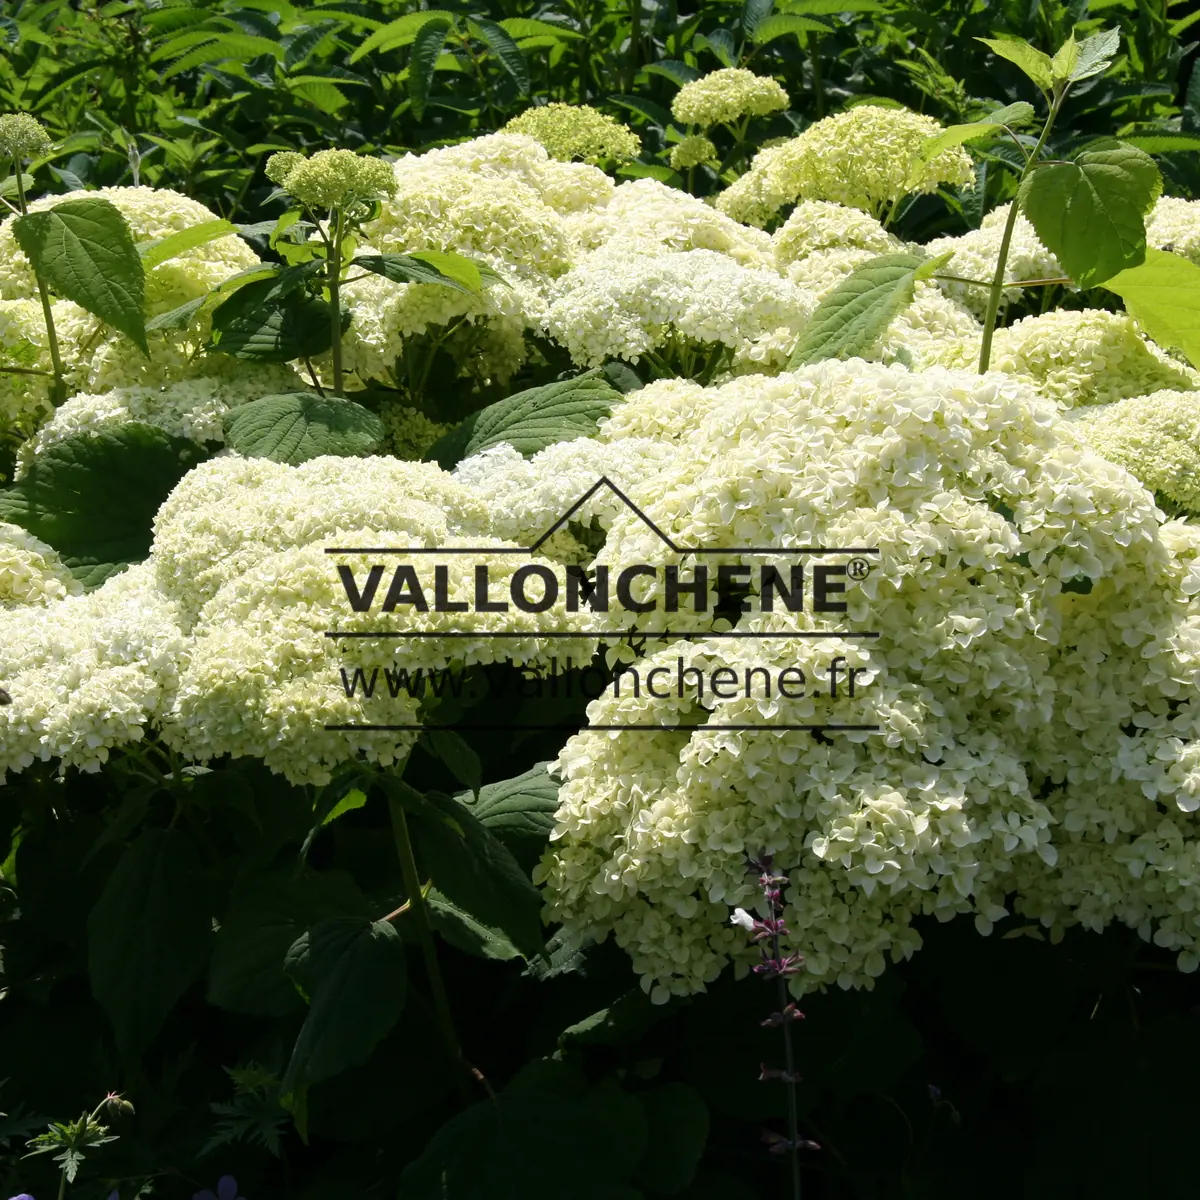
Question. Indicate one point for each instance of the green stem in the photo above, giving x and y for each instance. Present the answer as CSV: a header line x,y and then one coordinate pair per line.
x,y
60,391
335,304
993,308
62,1186
420,913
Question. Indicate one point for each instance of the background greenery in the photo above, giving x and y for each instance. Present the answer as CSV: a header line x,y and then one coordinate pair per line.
x,y
144,911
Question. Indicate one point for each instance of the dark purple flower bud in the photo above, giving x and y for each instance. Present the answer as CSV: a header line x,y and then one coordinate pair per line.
x,y
227,1189
22,1196
789,1013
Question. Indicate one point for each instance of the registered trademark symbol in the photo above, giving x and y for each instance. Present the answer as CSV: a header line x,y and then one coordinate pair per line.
x,y
858,568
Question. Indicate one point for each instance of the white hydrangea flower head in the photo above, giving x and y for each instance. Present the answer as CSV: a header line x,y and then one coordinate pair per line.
x,y
1174,224
24,344
725,96
998,761
623,305
648,216
756,197
410,433
151,213
1154,437
865,158
1085,357
30,571
22,136
977,252
577,132
88,674
816,225
332,178
192,407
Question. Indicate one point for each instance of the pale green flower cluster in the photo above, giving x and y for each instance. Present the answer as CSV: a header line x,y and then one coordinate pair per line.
x,y
816,225
577,132
30,571
1155,437
22,136
331,178
1002,779
410,433
976,253
693,151
1174,225
725,96
1081,357
865,158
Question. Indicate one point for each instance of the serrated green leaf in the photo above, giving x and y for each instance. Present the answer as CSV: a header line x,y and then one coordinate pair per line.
x,y
273,320
266,915
468,933
524,27
783,24
422,62
531,420
1065,59
456,754
506,50
355,974
8,186
1166,142
1096,54
1033,62
401,32
754,12
85,252
669,68
161,250
1089,213
1013,115
149,935
445,270
519,811
1163,295
476,872
830,8
93,496
298,426
858,311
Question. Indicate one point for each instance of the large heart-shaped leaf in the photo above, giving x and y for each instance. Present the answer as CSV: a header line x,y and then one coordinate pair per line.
x,y
295,427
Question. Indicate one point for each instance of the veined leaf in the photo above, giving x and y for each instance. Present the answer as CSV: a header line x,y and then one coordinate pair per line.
x,y
783,24
161,250
401,32
858,311
424,266
754,12
1065,59
830,8
85,252
1089,213
505,49
8,186
1096,54
298,426
1037,65
422,62
523,27
1163,295
672,69
1167,142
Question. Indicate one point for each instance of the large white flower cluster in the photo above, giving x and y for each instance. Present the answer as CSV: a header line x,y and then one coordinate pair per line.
x,y
1174,224
1033,688
30,571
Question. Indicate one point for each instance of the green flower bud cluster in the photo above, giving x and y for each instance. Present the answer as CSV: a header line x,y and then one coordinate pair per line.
x,y
331,178
22,137
573,132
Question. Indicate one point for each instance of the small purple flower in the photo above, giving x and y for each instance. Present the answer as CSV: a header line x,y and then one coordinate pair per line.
x,y
22,1196
227,1189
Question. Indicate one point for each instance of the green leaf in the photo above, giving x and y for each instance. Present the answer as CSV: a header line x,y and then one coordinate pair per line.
x,y
531,420
456,754
295,427
85,252
676,1133
830,7
401,32
1065,60
505,49
1033,62
467,933
476,872
547,1126
1163,295
519,811
523,27
161,249
422,62
459,273
621,1023
8,186
754,12
93,496
1166,142
148,936
783,24
856,313
670,68
186,314
266,916
272,320
1096,54
354,972
1090,213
